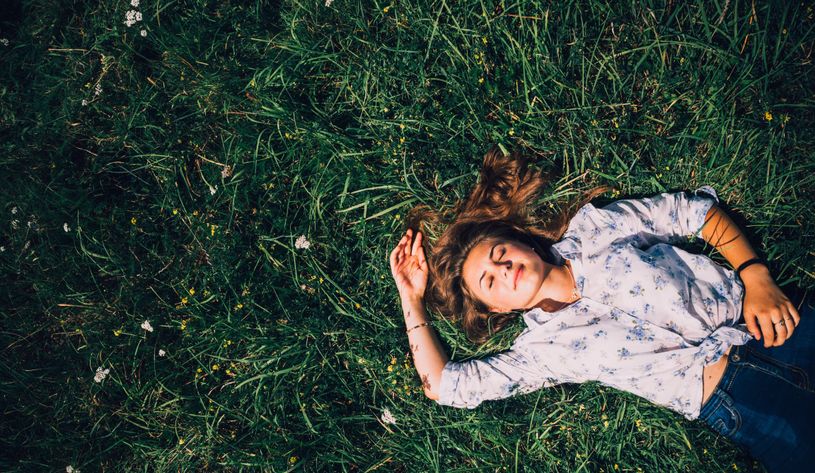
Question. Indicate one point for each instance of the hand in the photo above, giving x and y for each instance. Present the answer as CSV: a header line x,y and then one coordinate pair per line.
x,y
409,266
765,305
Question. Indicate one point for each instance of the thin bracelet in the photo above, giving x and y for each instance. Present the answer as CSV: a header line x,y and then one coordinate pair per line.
x,y
747,263
420,325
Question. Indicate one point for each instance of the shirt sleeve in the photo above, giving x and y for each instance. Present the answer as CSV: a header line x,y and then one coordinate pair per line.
x,y
666,217
468,383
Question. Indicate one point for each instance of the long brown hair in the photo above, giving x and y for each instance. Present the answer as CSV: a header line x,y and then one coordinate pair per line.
x,y
503,205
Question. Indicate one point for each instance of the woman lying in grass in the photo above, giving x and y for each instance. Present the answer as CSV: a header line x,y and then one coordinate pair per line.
x,y
606,297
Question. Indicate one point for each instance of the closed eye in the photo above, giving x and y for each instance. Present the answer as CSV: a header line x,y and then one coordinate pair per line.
x,y
503,252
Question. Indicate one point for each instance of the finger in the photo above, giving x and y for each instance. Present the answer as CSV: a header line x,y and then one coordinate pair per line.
x,y
409,236
780,333
752,326
422,259
392,257
794,313
417,243
767,330
789,322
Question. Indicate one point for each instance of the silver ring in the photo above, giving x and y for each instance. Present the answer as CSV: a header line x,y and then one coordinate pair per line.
x,y
781,322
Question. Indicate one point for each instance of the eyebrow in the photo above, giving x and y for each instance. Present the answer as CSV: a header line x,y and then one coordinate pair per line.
x,y
484,273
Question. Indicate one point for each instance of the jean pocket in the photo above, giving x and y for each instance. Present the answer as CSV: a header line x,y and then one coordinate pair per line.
x,y
725,418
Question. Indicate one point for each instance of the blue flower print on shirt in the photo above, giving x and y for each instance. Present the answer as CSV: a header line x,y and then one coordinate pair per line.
x,y
606,298
624,353
600,333
626,265
640,333
649,260
578,344
613,283
660,282
593,321
608,370
637,290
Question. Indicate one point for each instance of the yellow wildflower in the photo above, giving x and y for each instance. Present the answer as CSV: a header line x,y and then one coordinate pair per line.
x,y
184,300
484,39
386,9
117,332
401,139
215,367
133,220
357,305
175,211
511,132
239,306
212,230
184,324
199,370
390,368
401,126
195,213
192,291
293,459
480,80
181,441
768,116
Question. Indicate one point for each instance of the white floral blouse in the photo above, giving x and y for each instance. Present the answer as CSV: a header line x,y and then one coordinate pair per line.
x,y
650,318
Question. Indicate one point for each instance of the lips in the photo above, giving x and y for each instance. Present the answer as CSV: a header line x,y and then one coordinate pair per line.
x,y
517,276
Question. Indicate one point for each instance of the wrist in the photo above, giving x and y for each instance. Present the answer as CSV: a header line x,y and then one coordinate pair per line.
x,y
411,300
754,272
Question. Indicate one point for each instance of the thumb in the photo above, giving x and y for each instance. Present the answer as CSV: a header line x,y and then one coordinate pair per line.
x,y
752,326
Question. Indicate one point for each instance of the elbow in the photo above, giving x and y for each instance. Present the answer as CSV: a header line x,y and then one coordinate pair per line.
x,y
432,395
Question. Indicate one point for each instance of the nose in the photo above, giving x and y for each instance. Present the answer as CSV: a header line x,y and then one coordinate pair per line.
x,y
505,272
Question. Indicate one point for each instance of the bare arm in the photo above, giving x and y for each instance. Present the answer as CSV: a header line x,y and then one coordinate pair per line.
x,y
764,303
428,354
409,270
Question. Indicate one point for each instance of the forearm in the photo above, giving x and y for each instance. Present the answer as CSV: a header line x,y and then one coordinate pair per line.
x,y
722,233
428,355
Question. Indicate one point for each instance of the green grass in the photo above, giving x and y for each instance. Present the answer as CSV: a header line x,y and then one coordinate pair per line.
x,y
231,129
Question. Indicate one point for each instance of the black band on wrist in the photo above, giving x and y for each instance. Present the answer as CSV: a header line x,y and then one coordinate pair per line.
x,y
747,263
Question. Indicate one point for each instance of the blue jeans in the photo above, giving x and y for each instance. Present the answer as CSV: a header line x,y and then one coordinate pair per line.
x,y
765,400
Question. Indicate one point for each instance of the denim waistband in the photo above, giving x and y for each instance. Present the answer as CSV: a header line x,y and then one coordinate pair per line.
x,y
719,395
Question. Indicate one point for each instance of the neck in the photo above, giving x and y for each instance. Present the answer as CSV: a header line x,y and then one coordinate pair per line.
x,y
557,289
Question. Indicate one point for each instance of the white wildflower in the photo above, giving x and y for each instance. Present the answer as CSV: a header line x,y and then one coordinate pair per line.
x,y
70,469
97,89
132,17
4,41
146,326
84,102
15,224
143,33
212,190
13,210
328,3
101,374
2,249
27,244
134,3
226,171
302,243
387,417
161,352
66,227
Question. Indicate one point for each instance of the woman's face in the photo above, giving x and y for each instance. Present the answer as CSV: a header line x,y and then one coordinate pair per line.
x,y
505,274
